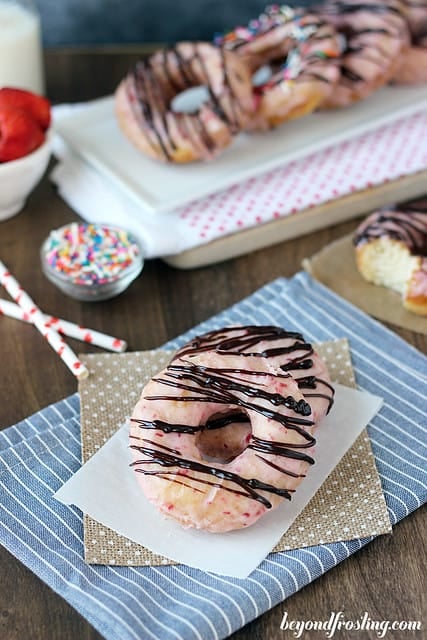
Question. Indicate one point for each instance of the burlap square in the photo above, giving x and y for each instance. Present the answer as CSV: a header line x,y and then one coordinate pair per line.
x,y
350,504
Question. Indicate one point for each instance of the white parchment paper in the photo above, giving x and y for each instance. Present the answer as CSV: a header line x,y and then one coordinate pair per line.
x,y
106,489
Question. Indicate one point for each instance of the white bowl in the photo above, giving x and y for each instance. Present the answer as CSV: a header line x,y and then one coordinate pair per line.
x,y
19,177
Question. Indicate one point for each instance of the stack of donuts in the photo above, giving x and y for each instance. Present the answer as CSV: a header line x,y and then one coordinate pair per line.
x,y
328,57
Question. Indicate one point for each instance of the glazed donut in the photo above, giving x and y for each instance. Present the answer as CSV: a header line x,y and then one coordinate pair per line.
x,y
376,37
391,251
416,15
301,50
224,433
261,41
143,102
413,66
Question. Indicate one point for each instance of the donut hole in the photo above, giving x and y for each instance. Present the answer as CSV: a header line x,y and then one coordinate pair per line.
x,y
262,75
271,71
224,436
190,100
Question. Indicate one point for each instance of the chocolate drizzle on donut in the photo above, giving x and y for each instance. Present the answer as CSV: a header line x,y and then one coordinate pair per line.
x,y
343,14
249,336
142,79
248,485
158,79
343,7
244,389
408,225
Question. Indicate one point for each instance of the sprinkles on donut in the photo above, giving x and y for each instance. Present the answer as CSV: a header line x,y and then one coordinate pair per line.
x,y
300,49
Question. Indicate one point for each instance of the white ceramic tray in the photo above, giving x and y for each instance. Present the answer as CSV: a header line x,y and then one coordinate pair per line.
x,y
93,133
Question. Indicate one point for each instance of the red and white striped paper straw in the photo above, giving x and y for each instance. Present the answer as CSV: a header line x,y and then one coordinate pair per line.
x,y
66,328
15,290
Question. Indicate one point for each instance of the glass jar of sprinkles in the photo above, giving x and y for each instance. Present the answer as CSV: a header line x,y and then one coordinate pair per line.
x,y
91,262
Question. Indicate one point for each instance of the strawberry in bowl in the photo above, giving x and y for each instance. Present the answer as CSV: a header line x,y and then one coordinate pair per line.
x,y
20,135
38,107
25,118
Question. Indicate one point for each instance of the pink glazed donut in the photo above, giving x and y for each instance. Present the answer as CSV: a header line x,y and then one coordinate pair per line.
x,y
376,35
413,65
301,50
143,102
225,433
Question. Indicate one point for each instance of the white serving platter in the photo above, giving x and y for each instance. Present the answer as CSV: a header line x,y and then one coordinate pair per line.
x,y
92,131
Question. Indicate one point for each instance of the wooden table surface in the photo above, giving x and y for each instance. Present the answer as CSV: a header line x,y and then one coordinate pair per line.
x,y
385,579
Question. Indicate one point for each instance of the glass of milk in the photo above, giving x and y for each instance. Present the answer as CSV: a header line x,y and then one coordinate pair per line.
x,y
21,54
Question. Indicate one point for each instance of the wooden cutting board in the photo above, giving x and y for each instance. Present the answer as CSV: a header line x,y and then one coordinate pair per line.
x,y
301,223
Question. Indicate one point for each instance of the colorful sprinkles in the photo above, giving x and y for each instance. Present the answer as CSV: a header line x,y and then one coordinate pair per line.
x,y
274,15
90,254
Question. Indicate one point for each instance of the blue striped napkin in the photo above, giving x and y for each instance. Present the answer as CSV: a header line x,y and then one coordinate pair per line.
x,y
176,602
